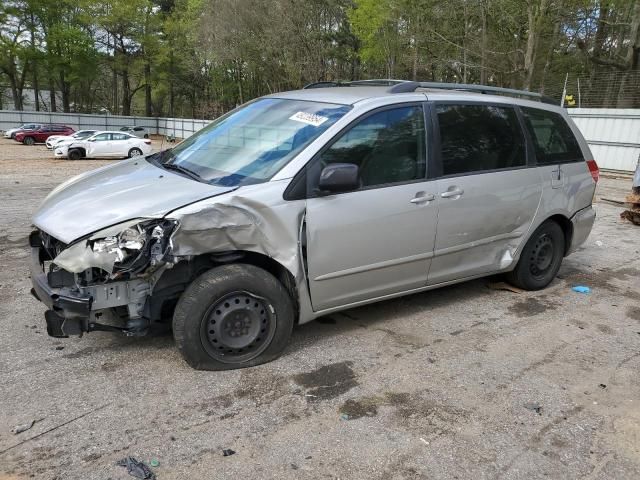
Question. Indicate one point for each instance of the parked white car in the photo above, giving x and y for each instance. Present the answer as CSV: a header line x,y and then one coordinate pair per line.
x,y
104,145
55,140
140,132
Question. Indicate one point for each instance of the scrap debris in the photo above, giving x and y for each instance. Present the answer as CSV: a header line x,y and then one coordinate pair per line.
x,y
633,200
136,469
504,286
534,407
227,452
22,428
581,289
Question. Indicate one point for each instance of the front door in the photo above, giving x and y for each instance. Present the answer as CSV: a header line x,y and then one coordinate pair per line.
x,y
377,240
488,195
99,145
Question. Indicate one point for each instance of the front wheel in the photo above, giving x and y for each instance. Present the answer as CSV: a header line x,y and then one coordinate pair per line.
x,y
233,316
74,154
540,259
134,152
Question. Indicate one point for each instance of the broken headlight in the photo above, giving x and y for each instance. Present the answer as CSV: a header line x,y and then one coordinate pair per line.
x,y
135,246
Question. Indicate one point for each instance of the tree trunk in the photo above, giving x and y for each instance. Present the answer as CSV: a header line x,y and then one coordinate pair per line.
x,y
126,93
34,65
65,90
171,94
36,86
536,13
483,44
547,63
52,94
16,93
148,108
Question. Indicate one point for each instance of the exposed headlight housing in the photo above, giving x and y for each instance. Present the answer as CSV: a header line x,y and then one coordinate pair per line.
x,y
136,245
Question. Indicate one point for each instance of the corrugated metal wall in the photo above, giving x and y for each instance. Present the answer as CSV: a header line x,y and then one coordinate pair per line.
x,y
179,127
613,134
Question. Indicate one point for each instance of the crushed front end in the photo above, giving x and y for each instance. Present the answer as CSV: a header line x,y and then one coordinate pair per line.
x,y
101,282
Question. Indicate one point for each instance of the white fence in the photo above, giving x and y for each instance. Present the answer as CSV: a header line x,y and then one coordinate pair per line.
x,y
613,134
179,127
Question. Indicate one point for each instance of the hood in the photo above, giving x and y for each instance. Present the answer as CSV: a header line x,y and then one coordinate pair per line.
x,y
110,195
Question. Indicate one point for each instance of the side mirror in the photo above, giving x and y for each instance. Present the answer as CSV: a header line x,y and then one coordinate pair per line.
x,y
339,177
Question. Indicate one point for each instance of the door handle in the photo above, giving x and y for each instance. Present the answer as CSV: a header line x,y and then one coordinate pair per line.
x,y
421,197
456,192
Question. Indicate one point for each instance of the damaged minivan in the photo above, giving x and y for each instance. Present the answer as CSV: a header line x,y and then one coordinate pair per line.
x,y
303,203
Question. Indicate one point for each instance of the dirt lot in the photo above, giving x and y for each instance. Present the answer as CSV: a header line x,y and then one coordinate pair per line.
x,y
462,382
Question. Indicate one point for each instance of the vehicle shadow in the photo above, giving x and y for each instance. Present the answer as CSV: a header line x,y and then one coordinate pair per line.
x,y
373,315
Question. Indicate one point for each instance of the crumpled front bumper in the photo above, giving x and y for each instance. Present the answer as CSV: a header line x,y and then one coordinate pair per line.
x,y
69,311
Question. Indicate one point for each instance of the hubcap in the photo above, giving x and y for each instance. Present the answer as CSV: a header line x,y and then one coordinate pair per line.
x,y
237,327
541,256
135,153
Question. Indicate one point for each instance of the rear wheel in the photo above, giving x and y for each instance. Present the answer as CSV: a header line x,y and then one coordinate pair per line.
x,y
29,140
74,154
540,258
135,152
233,316
146,135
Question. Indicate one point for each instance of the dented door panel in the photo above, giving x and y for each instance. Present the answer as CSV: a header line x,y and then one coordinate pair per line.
x,y
480,230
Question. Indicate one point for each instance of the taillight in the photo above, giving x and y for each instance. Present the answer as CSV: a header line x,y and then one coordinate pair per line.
x,y
594,170
148,142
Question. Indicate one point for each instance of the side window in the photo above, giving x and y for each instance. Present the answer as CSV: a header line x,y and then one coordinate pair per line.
x,y
388,147
479,137
138,129
553,139
103,137
120,136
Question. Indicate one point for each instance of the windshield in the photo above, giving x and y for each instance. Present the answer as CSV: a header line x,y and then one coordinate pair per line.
x,y
251,144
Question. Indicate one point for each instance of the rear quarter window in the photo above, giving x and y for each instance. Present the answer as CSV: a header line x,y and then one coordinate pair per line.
x,y
553,140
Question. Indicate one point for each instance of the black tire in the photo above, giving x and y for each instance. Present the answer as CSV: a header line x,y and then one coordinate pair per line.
x,y
28,140
134,152
74,154
233,316
540,258
146,135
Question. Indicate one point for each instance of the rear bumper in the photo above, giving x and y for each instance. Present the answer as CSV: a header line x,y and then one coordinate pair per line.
x,y
582,223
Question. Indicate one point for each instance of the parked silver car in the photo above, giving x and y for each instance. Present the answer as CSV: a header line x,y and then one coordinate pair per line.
x,y
303,203
140,132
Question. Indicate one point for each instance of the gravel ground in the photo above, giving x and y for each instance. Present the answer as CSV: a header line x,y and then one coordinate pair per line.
x,y
461,382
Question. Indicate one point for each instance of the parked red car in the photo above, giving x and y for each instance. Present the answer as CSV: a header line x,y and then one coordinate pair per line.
x,y
40,135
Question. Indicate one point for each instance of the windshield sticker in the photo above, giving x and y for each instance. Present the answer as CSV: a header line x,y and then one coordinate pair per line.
x,y
309,118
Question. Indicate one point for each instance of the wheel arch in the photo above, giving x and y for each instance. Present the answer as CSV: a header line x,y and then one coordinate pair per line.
x,y
175,280
567,229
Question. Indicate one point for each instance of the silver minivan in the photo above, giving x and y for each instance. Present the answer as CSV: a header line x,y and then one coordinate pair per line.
x,y
302,203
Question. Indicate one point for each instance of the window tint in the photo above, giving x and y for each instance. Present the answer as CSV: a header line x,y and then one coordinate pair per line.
x,y
102,137
138,129
120,136
553,140
479,137
388,147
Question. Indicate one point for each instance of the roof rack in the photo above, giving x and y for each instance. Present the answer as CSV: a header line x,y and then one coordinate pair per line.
x,y
405,86
379,82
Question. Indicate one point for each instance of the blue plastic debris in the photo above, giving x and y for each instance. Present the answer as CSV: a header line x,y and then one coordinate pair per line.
x,y
581,289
